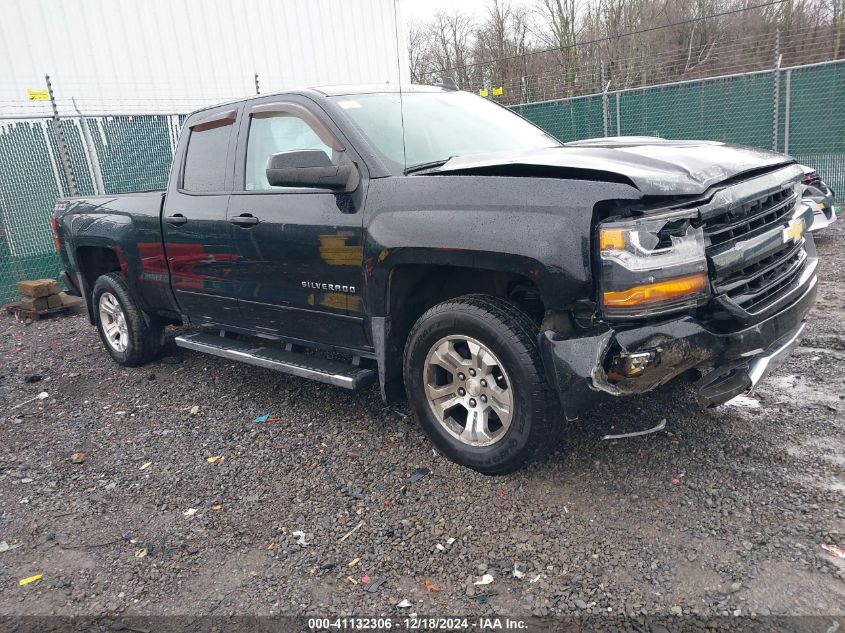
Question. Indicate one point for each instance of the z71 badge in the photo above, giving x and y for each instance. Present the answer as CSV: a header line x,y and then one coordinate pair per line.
x,y
316,285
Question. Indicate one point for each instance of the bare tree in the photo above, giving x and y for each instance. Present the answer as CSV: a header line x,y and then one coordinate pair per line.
x,y
556,28
419,56
561,48
450,39
838,16
503,39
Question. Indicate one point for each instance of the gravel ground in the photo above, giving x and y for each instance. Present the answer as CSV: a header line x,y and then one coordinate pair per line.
x,y
723,513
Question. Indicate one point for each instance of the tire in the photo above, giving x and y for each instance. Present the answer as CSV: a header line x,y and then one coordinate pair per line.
x,y
493,338
128,336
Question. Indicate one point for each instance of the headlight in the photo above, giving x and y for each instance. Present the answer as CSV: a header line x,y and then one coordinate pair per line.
x,y
652,265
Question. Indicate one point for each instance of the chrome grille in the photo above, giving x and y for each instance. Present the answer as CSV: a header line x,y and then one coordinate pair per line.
x,y
754,285
752,217
757,281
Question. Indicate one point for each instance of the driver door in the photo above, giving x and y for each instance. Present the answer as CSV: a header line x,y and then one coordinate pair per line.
x,y
299,273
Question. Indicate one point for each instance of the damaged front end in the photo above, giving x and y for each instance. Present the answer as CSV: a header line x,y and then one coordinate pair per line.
x,y
640,359
721,289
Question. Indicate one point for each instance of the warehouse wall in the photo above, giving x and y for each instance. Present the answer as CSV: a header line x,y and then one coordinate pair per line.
x,y
164,56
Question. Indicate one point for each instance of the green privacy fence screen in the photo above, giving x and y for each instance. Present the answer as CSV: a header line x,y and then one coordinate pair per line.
x,y
810,121
815,134
134,152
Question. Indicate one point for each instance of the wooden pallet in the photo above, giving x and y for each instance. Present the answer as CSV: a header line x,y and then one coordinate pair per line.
x,y
22,312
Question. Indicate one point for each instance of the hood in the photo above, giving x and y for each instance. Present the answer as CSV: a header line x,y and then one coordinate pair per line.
x,y
654,166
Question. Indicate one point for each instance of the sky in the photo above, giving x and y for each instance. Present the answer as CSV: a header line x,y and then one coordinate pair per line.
x,y
423,10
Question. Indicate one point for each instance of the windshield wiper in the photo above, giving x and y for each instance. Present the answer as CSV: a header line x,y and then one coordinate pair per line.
x,y
413,169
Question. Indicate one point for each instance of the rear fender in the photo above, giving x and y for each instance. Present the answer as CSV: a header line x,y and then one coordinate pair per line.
x,y
130,228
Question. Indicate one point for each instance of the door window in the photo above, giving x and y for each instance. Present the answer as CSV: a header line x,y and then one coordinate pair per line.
x,y
205,161
271,133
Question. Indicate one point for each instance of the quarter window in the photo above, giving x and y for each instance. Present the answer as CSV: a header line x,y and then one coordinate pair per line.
x,y
205,162
271,133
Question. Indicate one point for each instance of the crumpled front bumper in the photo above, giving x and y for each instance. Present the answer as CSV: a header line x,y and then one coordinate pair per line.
x,y
824,213
732,362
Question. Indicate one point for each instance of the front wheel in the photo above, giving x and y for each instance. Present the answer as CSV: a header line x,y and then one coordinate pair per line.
x,y
474,377
129,336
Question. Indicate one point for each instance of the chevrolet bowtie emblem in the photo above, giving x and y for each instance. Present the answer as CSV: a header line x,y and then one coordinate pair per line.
x,y
794,231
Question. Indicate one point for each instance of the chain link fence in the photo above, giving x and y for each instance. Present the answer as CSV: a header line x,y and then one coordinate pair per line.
x,y
797,110
131,152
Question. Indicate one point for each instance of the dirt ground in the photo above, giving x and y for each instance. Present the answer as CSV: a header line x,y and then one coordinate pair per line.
x,y
723,513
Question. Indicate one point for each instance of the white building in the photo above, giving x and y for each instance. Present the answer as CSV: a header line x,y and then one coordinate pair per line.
x,y
172,56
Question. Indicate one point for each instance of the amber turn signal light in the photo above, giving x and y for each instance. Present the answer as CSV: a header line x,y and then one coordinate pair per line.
x,y
656,292
611,239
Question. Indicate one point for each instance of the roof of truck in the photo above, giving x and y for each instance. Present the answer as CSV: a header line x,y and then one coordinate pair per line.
x,y
341,90
335,91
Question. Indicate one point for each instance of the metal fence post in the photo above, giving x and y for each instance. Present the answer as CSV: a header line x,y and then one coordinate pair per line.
x,y
47,144
90,150
618,117
60,139
787,109
776,93
605,114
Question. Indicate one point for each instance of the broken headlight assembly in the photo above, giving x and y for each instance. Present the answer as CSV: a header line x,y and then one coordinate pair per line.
x,y
652,265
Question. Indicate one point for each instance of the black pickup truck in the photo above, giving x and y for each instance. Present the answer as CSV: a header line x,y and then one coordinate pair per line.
x,y
454,253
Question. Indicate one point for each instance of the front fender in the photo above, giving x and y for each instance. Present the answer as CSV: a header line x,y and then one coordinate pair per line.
x,y
539,228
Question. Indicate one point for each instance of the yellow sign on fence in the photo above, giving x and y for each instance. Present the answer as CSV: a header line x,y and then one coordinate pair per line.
x,y
483,92
498,92
38,95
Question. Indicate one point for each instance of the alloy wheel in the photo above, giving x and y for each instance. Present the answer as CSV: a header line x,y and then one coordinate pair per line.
x,y
113,322
468,390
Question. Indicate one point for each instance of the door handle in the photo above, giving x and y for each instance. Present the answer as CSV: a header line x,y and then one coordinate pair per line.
x,y
177,219
245,220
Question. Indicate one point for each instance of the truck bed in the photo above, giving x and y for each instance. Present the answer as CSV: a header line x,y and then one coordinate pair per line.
x,y
111,196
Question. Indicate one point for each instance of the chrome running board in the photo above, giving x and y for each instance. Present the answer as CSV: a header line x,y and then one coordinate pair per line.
x,y
319,369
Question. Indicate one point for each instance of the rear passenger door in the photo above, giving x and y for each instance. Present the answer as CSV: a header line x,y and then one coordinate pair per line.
x,y
300,273
197,237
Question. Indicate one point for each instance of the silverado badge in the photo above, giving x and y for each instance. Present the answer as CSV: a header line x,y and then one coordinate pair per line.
x,y
316,285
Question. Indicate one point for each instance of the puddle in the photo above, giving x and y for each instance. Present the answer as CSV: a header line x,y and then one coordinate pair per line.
x,y
795,591
743,402
831,451
799,389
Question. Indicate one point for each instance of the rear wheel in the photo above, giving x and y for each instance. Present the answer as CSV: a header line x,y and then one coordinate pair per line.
x,y
129,336
475,380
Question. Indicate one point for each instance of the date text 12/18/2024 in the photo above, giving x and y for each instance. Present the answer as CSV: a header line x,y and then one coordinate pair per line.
x,y
416,624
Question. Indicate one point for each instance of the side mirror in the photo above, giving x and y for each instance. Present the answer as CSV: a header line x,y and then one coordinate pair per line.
x,y
310,168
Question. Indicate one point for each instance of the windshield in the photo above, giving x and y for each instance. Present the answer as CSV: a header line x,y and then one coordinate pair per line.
x,y
439,125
